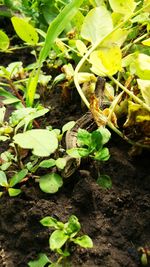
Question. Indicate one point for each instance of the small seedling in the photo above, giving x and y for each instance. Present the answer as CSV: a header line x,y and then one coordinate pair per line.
x,y
61,239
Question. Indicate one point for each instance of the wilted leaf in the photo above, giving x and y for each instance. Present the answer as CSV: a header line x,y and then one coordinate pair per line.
x,y
97,24
42,142
50,183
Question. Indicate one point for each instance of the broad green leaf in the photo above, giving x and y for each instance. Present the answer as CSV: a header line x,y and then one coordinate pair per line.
x,y
68,126
142,66
13,192
105,134
40,262
47,163
144,86
61,163
84,137
4,41
42,142
3,179
84,241
96,140
106,61
124,7
78,152
104,181
97,24
9,98
57,239
102,154
50,183
25,30
18,177
49,222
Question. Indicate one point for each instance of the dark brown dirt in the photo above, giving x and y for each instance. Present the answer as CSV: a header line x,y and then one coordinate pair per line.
x,y
117,220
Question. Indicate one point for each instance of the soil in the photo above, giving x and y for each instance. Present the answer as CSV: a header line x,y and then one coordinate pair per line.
x,y
117,220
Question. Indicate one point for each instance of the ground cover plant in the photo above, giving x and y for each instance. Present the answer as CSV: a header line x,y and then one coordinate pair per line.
x,y
67,57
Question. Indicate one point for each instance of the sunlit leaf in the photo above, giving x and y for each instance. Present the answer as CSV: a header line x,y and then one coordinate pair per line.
x,y
25,30
97,24
61,163
49,222
4,41
124,7
57,239
18,177
81,47
47,163
106,60
50,183
68,126
146,42
84,241
2,114
144,86
142,66
40,262
13,192
78,152
42,142
3,179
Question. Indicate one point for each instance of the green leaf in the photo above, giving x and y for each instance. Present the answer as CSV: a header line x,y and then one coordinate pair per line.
x,y
40,262
18,177
25,30
4,41
104,181
72,227
61,163
3,179
50,183
42,142
97,24
57,239
57,26
48,163
96,140
124,7
68,126
49,222
13,192
84,241
144,86
106,61
102,155
84,137
78,152
105,134
9,98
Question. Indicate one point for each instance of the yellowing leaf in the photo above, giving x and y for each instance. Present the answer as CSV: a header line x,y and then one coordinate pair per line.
x,y
97,24
106,61
146,42
4,41
25,31
124,7
81,47
144,86
117,37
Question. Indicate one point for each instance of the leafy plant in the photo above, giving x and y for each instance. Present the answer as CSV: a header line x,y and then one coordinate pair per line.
x,y
91,144
63,236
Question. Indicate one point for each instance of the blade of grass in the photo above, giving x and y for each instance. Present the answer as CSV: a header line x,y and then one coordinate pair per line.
x,y
54,30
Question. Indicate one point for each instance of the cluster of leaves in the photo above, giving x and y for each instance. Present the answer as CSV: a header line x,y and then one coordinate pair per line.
x,y
59,241
103,38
